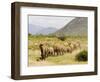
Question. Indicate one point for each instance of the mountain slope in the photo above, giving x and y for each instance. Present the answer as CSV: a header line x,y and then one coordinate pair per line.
x,y
33,29
36,29
77,27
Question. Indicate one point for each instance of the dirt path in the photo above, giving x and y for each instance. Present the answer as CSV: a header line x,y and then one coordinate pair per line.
x,y
67,58
39,63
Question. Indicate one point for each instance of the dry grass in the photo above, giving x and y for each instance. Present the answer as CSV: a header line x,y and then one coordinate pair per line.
x,y
67,58
55,60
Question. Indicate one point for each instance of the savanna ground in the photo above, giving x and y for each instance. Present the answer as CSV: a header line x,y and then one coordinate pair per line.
x,y
68,58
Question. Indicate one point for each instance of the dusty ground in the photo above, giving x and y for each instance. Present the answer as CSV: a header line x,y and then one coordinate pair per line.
x,y
55,60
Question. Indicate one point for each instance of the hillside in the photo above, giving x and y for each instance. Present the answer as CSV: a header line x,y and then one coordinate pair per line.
x,y
77,27
33,29
37,29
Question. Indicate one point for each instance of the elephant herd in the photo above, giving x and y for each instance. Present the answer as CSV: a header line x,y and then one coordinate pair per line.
x,y
49,49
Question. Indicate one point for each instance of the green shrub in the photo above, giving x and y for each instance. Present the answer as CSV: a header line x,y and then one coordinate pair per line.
x,y
82,56
62,38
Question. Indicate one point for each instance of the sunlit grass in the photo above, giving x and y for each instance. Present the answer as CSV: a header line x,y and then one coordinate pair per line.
x,y
66,59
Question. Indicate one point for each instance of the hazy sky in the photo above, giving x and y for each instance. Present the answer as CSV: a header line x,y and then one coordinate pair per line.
x,y
49,21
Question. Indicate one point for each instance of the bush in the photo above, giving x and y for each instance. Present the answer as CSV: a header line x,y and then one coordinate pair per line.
x,y
62,38
82,56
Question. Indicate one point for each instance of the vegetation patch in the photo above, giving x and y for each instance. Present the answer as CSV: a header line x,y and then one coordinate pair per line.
x,y
82,56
